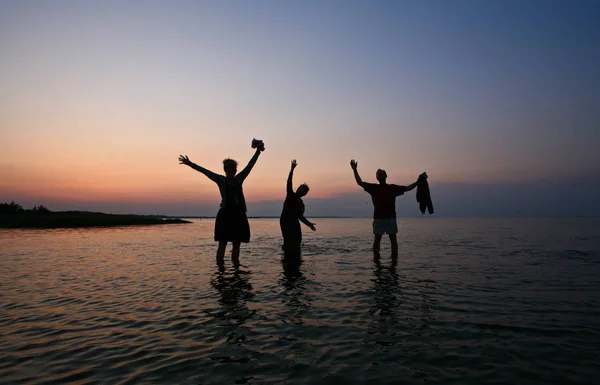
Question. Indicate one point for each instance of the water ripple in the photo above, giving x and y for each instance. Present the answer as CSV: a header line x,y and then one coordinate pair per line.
x,y
467,301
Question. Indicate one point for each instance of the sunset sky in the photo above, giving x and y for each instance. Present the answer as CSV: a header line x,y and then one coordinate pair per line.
x,y
499,101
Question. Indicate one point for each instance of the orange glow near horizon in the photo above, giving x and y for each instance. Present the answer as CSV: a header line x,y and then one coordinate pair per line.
x,y
122,163
117,179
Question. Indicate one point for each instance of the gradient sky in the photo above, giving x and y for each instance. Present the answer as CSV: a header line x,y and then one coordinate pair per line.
x,y
492,98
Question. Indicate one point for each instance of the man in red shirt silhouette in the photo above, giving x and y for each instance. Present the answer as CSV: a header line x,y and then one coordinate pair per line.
x,y
384,204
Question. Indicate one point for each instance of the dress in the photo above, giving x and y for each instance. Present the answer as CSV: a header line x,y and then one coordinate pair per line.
x,y
232,224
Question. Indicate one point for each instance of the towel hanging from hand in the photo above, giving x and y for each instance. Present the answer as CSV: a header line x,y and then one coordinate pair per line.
x,y
423,194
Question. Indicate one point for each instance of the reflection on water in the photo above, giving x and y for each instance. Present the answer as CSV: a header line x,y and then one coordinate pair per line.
x,y
386,287
386,292
235,291
293,283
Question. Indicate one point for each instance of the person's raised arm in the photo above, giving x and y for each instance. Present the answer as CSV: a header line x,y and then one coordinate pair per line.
x,y
183,159
244,173
289,188
307,222
413,185
354,166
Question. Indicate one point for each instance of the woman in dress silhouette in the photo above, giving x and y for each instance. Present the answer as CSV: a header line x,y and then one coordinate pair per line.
x,y
293,213
231,224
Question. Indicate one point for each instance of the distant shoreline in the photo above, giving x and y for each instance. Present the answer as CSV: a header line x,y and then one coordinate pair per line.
x,y
83,219
251,217
78,219
406,217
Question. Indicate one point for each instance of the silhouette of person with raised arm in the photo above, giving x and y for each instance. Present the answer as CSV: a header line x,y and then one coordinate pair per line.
x,y
231,224
383,196
292,214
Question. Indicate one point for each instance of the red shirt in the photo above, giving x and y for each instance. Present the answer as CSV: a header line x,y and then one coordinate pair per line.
x,y
384,199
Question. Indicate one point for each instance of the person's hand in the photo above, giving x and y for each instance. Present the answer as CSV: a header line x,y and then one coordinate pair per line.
x,y
259,145
312,227
294,164
353,164
183,159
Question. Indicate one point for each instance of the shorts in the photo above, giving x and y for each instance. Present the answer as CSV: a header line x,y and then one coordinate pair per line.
x,y
385,226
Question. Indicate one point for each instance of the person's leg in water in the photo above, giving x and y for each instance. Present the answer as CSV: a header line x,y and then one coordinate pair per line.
x,y
376,244
292,235
394,242
379,229
291,246
394,262
235,253
221,253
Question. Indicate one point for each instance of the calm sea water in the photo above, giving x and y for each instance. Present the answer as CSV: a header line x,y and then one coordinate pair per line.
x,y
468,301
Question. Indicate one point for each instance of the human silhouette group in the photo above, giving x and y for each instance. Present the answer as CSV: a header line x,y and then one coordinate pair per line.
x,y
231,224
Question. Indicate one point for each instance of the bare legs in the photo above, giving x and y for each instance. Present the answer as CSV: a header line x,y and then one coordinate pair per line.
x,y
394,243
235,253
377,244
221,253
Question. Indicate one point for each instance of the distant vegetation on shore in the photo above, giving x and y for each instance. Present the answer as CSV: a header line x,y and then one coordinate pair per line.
x,y
13,215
